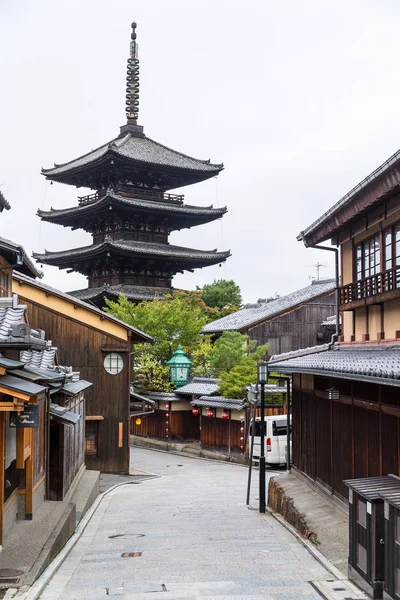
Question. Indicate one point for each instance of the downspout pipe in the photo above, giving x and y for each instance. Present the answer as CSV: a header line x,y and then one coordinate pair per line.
x,y
335,336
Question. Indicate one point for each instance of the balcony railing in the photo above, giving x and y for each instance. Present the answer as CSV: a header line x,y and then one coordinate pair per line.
x,y
381,283
131,192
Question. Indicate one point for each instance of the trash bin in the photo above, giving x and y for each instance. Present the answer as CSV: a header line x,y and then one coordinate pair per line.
x,y
392,544
367,531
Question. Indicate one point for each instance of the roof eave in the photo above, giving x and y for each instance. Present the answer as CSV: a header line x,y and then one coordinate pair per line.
x,y
144,337
339,374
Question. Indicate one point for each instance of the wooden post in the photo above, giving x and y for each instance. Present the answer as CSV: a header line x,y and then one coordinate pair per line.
x,y
120,434
229,433
2,450
29,480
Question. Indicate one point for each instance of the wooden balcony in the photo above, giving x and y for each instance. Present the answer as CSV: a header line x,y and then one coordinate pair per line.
x,y
371,290
130,192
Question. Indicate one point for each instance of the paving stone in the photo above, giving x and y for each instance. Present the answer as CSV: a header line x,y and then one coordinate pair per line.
x,y
196,536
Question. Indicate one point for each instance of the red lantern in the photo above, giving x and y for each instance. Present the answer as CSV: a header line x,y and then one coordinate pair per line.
x,y
167,416
210,413
195,411
225,414
167,406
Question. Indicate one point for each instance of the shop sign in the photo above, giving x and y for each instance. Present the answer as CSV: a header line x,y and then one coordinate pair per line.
x,y
29,418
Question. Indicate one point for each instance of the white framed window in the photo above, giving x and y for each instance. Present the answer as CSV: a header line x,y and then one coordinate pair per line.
x,y
113,363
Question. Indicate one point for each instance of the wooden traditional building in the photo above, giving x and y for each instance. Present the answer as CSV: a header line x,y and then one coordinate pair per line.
x,y
346,395
131,213
196,412
37,397
286,323
100,347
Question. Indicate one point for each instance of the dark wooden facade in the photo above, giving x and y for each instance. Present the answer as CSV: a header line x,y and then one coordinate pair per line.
x,y
85,348
213,433
84,337
66,449
352,437
297,328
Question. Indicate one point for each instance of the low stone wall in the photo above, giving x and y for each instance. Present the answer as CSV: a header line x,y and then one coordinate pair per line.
x,y
281,503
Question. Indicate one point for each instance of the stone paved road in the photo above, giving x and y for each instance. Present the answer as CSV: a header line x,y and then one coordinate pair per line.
x,y
196,537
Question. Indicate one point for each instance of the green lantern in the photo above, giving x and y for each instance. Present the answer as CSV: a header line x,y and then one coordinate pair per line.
x,y
179,367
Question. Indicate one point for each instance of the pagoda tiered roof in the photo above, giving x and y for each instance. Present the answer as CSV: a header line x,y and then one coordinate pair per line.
x,y
130,248
181,215
135,155
135,293
130,215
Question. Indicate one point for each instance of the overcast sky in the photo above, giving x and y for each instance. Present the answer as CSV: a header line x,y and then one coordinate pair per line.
x,y
298,98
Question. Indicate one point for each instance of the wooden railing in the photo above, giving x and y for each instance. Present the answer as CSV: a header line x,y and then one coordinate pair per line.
x,y
381,283
131,192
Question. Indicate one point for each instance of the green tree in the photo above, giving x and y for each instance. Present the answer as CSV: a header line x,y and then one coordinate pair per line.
x,y
228,351
176,319
221,294
234,382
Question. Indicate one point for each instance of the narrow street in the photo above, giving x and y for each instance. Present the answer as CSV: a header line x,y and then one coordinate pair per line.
x,y
190,535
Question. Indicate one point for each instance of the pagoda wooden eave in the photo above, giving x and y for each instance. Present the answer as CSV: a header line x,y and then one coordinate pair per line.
x,y
113,292
136,158
176,256
177,216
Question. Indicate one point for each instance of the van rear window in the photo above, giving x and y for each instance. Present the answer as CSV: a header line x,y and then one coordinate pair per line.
x,y
279,428
257,429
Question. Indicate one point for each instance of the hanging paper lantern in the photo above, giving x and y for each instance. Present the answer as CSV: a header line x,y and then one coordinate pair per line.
x,y
138,421
167,406
210,413
225,414
195,411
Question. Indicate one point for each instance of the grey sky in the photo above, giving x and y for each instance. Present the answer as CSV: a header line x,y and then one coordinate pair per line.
x,y
298,98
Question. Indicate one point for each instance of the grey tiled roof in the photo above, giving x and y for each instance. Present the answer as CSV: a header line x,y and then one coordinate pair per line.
x,y
199,386
15,331
134,248
349,197
134,394
182,209
74,387
14,249
21,278
248,316
380,363
132,292
21,385
163,396
220,402
41,365
139,149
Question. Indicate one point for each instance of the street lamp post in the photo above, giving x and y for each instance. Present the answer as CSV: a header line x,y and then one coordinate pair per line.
x,y
262,370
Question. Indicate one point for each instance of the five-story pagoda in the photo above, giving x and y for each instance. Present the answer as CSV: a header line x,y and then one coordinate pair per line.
x,y
130,214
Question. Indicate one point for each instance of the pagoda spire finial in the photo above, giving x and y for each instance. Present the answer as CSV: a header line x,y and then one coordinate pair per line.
x,y
132,81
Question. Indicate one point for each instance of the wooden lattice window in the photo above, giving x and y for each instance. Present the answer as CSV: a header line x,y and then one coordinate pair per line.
x,y
91,437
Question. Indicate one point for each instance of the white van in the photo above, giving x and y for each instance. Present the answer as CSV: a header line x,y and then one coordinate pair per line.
x,y
275,439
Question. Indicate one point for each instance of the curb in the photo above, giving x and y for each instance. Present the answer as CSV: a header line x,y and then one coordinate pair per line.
x,y
37,588
325,562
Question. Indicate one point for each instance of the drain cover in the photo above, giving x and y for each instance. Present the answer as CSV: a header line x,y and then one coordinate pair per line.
x,y
130,554
10,575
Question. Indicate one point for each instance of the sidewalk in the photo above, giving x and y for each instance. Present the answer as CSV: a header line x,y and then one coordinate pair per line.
x,y
321,519
32,545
